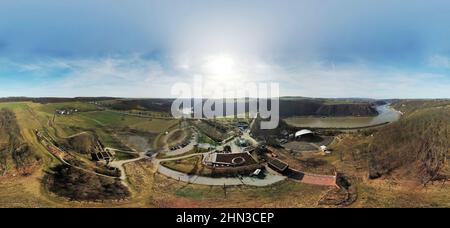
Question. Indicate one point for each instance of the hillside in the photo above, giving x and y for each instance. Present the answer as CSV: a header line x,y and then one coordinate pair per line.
x,y
155,105
415,147
311,107
46,100
288,107
346,110
269,134
84,143
15,153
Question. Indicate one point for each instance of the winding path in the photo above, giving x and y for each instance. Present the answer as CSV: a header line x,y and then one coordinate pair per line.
x,y
195,179
270,178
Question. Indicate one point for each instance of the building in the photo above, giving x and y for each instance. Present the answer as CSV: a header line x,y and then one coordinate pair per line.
x,y
242,125
241,142
304,133
216,159
65,111
278,165
325,149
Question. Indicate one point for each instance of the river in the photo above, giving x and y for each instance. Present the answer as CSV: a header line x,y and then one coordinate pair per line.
x,y
385,114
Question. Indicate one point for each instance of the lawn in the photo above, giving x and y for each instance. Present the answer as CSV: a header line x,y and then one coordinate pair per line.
x,y
124,156
190,165
103,123
164,155
202,138
114,120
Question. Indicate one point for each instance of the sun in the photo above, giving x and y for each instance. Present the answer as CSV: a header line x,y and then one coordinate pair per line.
x,y
220,66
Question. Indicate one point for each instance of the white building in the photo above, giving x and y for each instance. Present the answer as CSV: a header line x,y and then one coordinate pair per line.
x,y
303,132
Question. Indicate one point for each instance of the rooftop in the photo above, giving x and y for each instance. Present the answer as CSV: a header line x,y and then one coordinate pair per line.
x,y
278,164
303,132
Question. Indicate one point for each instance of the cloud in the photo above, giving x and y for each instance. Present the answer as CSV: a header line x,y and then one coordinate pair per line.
x,y
127,76
363,81
138,76
439,61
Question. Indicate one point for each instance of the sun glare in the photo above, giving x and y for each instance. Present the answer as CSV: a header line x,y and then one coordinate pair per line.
x,y
220,66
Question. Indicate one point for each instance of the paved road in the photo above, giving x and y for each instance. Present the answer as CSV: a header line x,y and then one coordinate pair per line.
x,y
195,179
157,161
270,178
185,149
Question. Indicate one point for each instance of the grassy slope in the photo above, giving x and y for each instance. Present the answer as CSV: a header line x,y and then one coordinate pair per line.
x,y
418,145
188,165
28,120
139,123
28,191
399,150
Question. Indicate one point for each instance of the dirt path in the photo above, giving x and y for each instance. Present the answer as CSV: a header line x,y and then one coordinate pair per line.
x,y
119,164
92,119
77,134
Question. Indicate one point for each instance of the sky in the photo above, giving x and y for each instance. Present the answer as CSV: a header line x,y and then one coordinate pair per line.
x,y
141,48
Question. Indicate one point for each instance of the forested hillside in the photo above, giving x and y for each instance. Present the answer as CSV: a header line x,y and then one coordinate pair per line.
x,y
417,146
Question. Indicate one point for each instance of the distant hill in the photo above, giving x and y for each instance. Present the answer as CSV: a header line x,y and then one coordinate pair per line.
x,y
45,100
346,110
288,106
155,105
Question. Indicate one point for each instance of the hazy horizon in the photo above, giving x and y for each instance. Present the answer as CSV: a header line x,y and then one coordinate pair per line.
x,y
173,97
